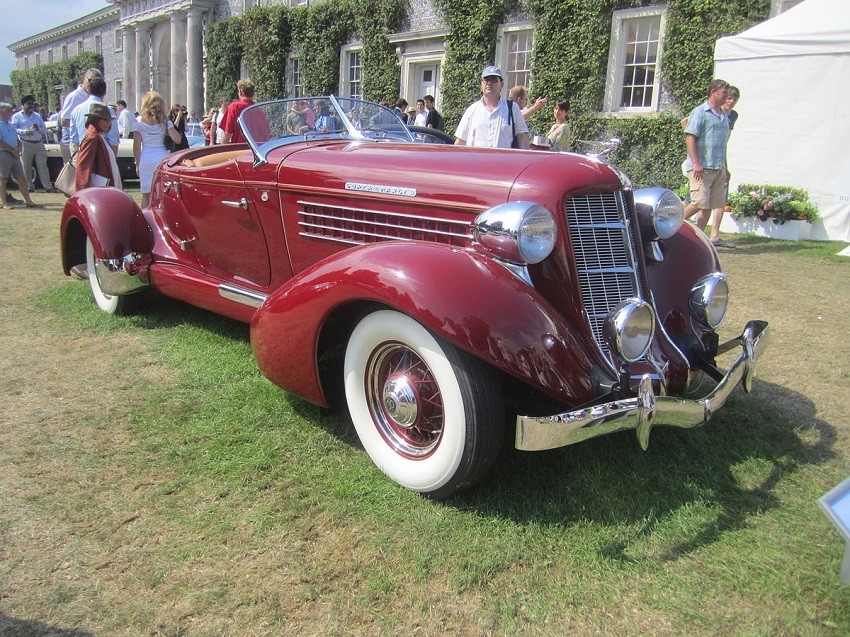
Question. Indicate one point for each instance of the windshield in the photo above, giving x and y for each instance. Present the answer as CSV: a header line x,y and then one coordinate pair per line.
x,y
271,124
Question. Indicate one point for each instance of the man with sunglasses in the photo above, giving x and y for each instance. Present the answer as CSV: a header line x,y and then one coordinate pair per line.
x,y
31,130
492,121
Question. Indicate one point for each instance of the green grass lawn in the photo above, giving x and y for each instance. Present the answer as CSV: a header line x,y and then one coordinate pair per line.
x,y
252,514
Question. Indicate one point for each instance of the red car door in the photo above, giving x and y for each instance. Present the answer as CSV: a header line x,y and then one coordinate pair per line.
x,y
227,233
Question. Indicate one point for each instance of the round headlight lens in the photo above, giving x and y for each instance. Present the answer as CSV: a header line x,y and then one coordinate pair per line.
x,y
629,329
668,215
710,300
521,232
537,234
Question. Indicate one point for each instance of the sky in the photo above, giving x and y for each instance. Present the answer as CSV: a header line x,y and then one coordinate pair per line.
x,y
46,14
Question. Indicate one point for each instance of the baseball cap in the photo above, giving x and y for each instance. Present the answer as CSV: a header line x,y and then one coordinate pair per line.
x,y
490,71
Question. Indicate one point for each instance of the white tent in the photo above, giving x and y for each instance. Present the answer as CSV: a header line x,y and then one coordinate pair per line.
x,y
794,124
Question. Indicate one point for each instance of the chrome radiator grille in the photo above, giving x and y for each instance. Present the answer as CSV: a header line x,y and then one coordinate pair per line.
x,y
357,226
603,248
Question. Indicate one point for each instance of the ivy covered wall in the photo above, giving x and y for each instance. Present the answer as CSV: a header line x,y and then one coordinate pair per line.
x,y
41,80
570,60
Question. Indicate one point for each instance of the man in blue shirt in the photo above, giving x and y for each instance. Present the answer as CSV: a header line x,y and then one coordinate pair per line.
x,y
706,134
31,130
97,88
10,159
72,100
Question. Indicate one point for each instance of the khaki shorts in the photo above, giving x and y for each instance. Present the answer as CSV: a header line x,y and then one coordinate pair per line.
x,y
10,166
709,192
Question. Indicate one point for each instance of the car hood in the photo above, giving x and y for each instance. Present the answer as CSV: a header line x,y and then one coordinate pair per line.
x,y
460,176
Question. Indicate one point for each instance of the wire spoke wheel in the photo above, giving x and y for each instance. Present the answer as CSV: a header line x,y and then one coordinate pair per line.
x,y
428,414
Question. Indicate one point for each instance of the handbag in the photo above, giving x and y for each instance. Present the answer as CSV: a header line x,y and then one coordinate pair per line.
x,y
65,182
514,143
169,143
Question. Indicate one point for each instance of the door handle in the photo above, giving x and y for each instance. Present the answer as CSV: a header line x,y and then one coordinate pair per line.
x,y
242,203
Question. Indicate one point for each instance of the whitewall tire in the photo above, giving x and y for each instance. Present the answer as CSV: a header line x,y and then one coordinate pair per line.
x,y
429,415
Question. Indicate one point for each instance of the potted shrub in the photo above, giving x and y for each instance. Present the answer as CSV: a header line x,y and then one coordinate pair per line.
x,y
780,212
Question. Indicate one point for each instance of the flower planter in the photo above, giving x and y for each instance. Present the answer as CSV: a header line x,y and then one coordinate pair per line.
x,y
788,231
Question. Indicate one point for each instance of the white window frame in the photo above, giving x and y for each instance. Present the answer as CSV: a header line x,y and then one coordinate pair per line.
x,y
503,54
38,58
119,90
50,55
293,71
98,43
64,51
345,66
617,57
80,46
118,39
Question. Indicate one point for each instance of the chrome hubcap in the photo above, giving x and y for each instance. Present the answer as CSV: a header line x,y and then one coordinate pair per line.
x,y
400,401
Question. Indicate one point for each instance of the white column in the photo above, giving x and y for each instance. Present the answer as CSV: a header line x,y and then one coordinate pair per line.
x,y
128,68
143,63
178,58
195,62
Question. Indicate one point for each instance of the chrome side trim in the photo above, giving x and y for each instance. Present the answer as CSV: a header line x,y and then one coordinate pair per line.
x,y
242,295
358,226
118,277
645,410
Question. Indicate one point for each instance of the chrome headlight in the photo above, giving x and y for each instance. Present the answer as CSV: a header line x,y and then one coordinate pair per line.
x,y
629,329
521,232
710,299
663,207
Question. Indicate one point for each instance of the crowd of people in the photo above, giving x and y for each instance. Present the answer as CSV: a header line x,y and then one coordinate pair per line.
x,y
91,130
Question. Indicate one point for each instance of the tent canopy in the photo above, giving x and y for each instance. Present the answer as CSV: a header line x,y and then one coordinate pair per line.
x,y
794,128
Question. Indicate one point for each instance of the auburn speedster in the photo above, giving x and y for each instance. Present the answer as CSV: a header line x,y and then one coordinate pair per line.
x,y
430,289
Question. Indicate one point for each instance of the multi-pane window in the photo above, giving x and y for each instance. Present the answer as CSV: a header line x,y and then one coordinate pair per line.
x,y
50,56
37,58
296,77
79,46
633,81
355,74
641,61
516,48
119,90
64,51
119,39
98,44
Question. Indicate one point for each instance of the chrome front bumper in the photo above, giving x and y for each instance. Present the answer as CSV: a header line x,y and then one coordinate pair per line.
x,y
645,410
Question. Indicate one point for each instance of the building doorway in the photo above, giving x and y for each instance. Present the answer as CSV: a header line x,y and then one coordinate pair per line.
x,y
426,80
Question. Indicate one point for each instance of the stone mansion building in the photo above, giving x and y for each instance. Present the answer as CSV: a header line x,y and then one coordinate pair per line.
x,y
159,45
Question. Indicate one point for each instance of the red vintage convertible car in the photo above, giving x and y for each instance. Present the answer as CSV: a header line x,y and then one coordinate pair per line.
x,y
431,289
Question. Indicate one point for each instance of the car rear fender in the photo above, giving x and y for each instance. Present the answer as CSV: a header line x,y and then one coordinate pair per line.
x,y
469,299
111,219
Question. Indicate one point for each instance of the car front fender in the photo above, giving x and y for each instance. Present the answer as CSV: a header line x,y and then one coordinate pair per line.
x,y
468,299
111,219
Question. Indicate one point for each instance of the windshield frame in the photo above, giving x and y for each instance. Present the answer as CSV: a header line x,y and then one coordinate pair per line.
x,y
383,121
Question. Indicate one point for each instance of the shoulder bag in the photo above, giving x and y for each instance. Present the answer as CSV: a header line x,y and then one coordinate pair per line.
x,y
65,182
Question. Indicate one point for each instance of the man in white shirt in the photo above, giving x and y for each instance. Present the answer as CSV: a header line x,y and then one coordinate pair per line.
x,y
72,100
488,122
125,119
31,129
421,118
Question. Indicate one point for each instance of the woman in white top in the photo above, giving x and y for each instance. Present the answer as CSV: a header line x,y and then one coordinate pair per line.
x,y
149,141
